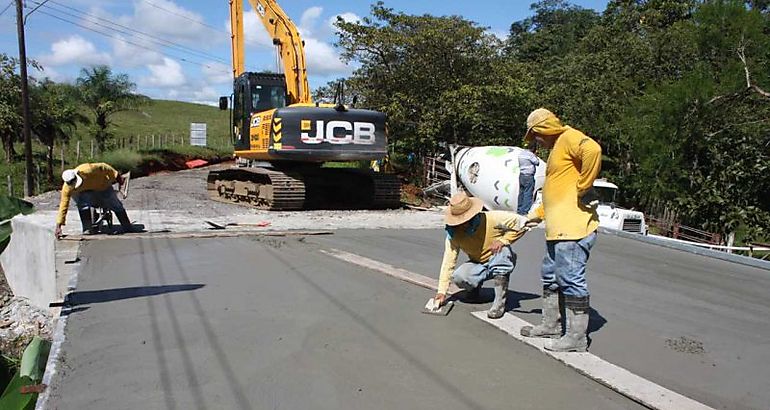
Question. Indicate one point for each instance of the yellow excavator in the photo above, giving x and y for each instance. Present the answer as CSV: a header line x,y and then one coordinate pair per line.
x,y
282,138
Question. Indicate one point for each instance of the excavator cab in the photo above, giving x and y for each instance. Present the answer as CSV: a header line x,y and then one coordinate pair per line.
x,y
253,92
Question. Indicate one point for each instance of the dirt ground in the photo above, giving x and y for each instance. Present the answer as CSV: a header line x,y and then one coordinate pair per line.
x,y
183,195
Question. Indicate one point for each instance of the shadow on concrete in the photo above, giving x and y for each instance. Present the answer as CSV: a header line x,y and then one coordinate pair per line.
x,y
110,295
595,321
487,295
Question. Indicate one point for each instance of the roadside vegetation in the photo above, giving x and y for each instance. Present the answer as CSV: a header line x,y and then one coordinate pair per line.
x,y
99,118
676,92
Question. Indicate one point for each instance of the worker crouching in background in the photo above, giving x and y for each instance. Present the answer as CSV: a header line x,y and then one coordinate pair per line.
x,y
90,185
486,238
571,221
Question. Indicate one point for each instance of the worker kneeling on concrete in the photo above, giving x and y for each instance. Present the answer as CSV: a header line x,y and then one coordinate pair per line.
x,y
90,185
486,238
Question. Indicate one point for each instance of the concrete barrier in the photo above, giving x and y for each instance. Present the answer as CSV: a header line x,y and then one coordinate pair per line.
x,y
29,261
743,260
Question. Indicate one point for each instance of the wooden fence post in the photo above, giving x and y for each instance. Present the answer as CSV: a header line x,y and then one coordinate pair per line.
x,y
77,153
153,140
37,178
92,149
62,157
10,186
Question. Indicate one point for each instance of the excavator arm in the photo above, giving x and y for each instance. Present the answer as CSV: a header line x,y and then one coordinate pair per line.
x,y
285,36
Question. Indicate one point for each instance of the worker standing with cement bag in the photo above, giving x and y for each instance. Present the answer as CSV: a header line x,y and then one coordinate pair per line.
x,y
569,211
90,185
486,238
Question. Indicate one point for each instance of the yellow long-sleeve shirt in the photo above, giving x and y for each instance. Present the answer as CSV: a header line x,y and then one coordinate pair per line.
x,y
96,177
573,165
494,225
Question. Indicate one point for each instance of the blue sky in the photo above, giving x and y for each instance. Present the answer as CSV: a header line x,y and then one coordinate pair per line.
x,y
180,50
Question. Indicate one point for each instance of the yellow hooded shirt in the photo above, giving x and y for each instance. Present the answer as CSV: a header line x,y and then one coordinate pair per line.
x,y
493,226
96,177
573,165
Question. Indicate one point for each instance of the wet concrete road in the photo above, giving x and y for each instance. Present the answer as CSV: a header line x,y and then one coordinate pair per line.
x,y
240,323
696,325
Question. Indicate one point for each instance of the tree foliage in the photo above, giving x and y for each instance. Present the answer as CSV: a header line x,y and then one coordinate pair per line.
x,y
674,91
105,94
55,114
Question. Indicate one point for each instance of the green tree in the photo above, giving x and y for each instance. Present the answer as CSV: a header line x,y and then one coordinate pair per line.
x,y
703,139
105,94
56,113
10,101
439,79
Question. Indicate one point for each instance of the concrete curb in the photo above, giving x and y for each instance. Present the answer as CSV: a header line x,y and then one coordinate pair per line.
x,y
52,370
740,259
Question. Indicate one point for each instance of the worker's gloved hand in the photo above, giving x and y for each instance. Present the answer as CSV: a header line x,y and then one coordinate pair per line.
x,y
496,246
521,222
439,299
590,198
57,231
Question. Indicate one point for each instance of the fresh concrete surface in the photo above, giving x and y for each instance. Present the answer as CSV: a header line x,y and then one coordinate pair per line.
x,y
693,324
618,379
271,323
29,261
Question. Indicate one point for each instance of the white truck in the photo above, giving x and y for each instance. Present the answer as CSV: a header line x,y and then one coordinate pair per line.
x,y
613,217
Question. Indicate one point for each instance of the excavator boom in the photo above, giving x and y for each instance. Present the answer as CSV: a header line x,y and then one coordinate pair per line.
x,y
285,36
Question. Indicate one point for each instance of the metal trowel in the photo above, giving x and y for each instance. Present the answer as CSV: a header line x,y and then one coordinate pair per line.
x,y
431,308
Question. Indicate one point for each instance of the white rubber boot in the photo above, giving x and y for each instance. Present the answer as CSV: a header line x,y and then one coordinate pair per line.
x,y
550,324
574,339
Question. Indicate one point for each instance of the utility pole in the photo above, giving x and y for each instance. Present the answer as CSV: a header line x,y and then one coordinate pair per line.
x,y
24,98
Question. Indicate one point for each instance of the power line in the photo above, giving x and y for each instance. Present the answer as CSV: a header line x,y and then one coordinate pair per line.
x,y
252,42
6,8
185,17
129,42
128,31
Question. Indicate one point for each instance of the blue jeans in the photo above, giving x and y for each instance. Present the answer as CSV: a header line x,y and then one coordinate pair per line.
x,y
471,274
564,265
106,199
526,192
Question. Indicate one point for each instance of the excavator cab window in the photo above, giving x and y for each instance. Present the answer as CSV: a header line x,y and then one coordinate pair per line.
x,y
265,97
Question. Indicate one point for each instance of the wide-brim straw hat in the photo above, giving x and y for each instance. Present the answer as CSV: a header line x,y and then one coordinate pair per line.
x,y
536,117
71,178
461,209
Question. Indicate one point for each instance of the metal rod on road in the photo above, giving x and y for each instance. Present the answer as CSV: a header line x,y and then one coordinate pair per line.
x,y
24,98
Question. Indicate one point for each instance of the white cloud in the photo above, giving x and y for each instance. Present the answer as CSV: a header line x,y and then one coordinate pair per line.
x,y
254,32
50,73
323,59
308,20
130,55
168,21
166,75
74,49
348,17
217,73
194,93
